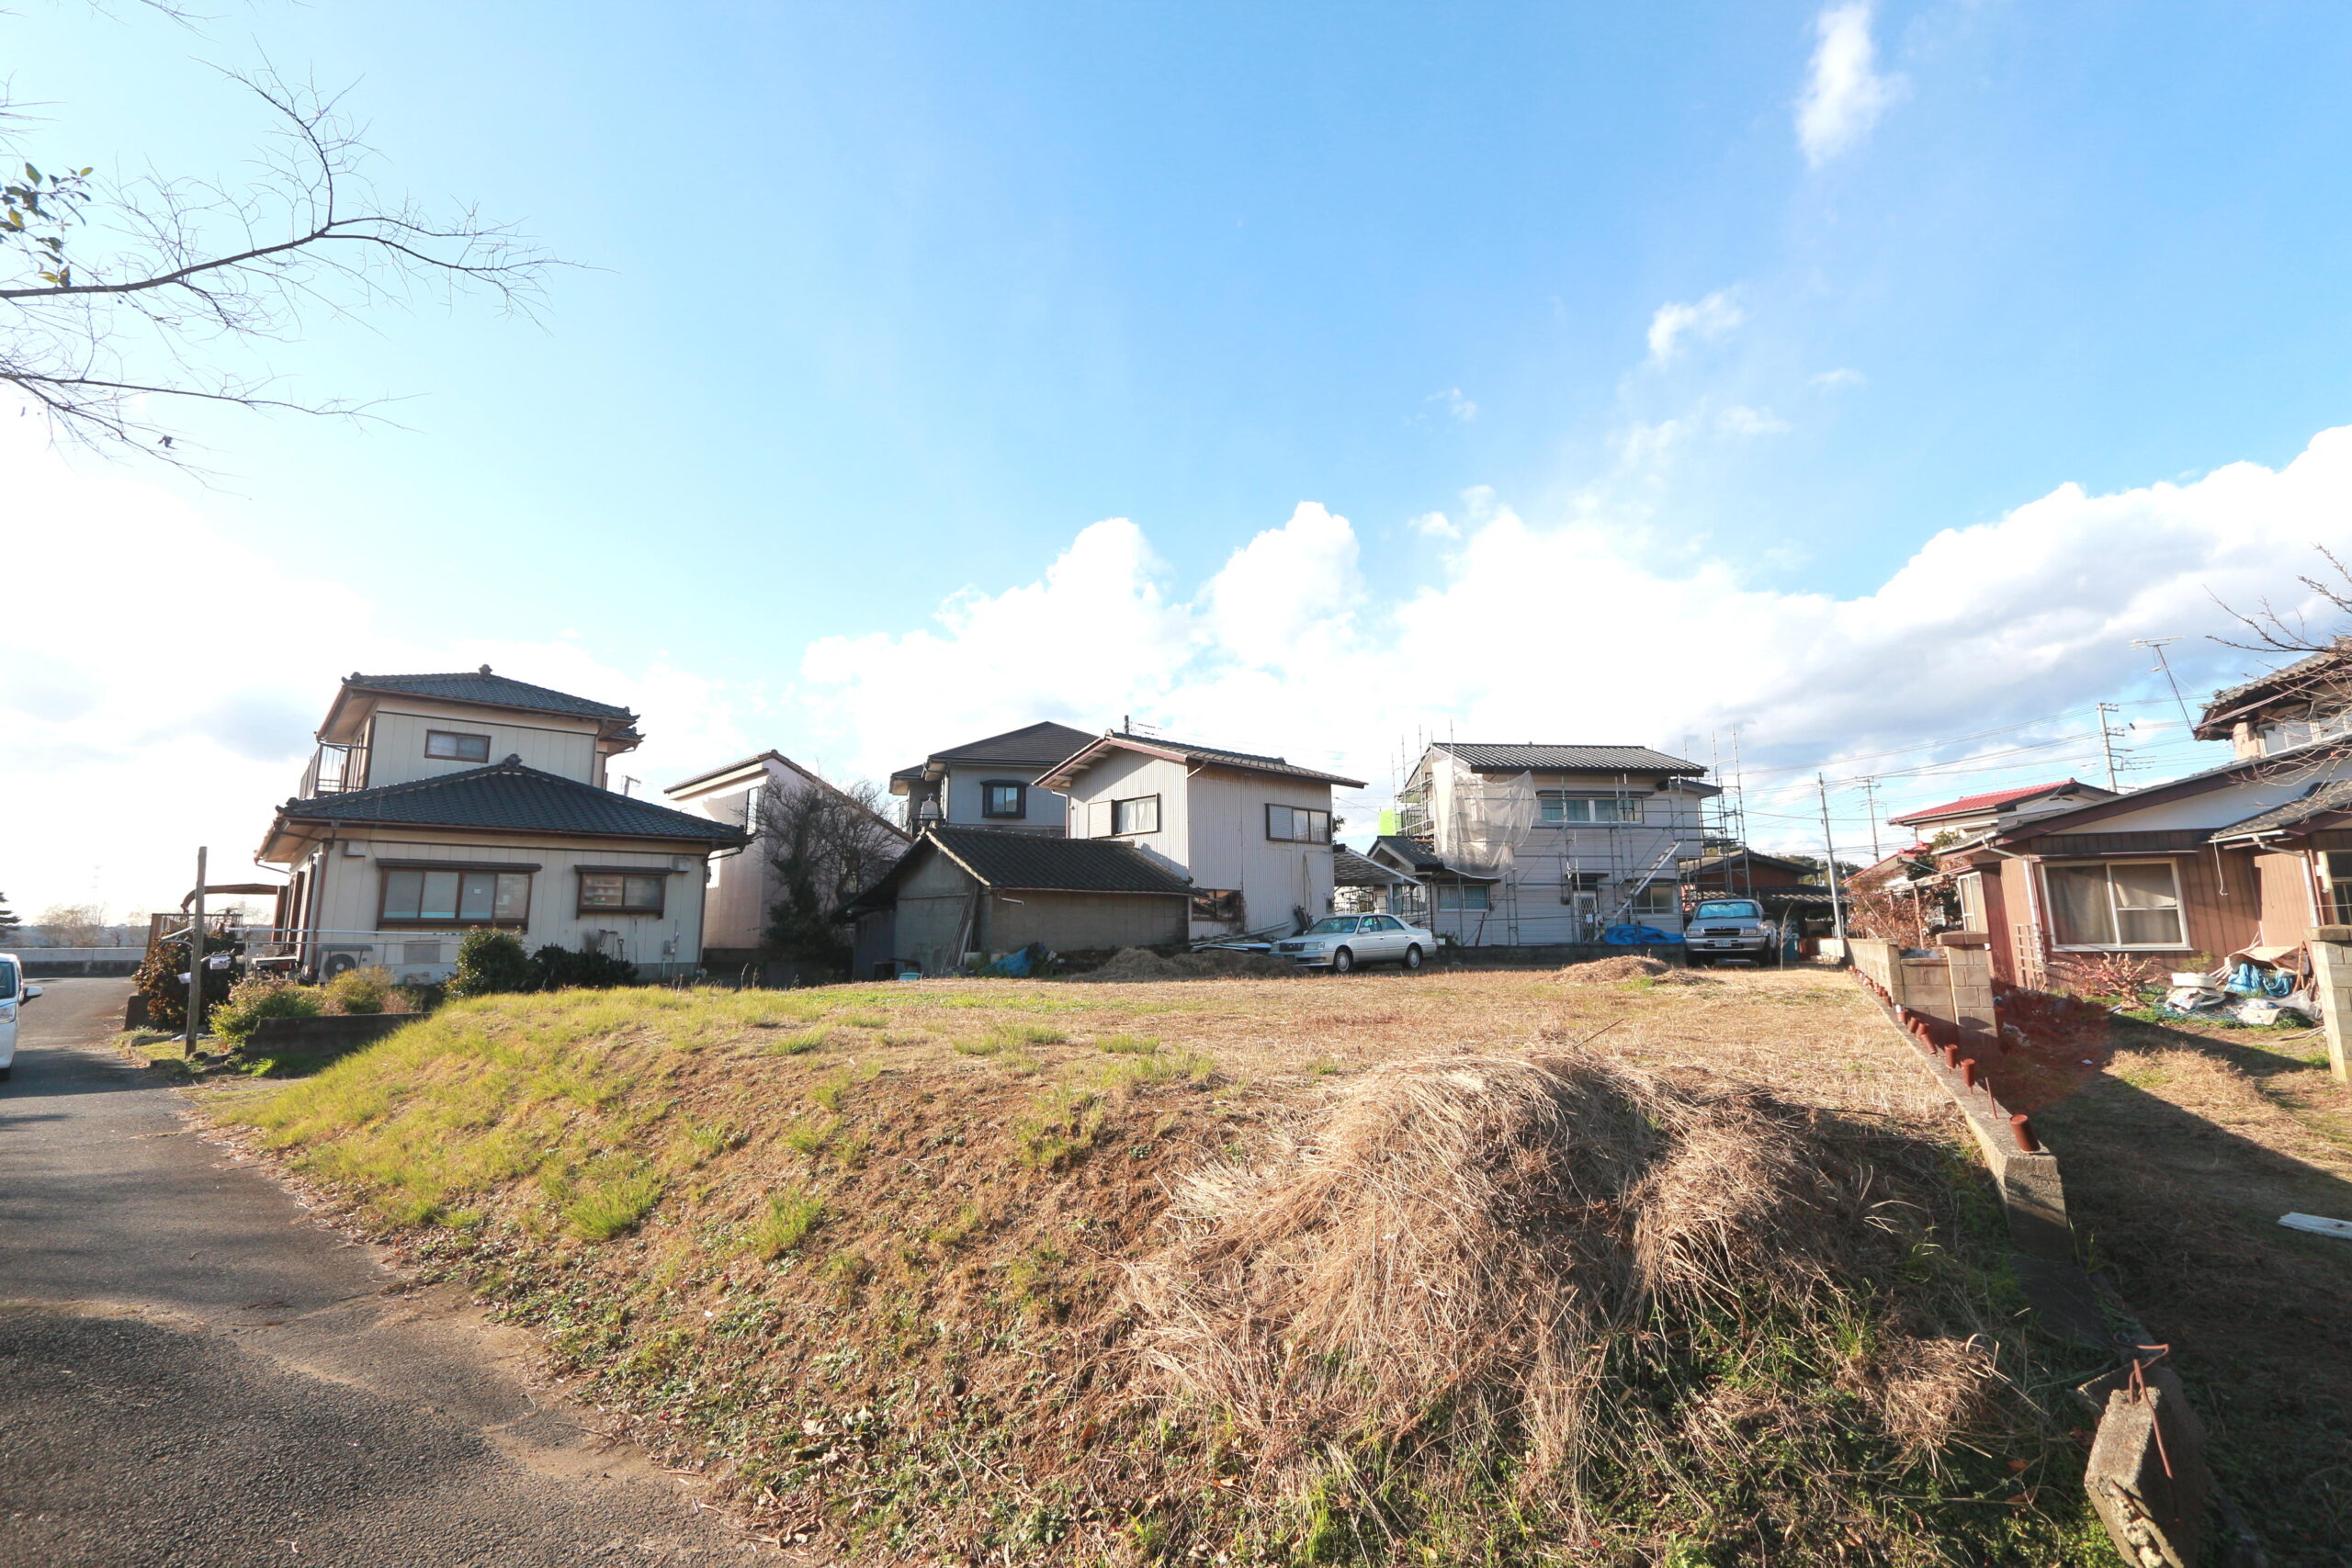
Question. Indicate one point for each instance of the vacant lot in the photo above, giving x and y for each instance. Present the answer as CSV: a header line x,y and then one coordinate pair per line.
x,y
2179,1165
1463,1267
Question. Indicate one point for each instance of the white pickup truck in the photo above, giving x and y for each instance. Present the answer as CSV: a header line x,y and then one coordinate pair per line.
x,y
1727,928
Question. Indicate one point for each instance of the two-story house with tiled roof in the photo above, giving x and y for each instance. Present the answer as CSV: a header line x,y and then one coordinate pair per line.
x,y
1542,845
440,803
1252,832
991,782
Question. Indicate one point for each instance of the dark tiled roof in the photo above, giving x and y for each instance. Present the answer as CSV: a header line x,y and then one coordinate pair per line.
x,y
1030,862
497,691
1568,759
1037,745
1005,859
1349,869
511,796
2321,799
2225,704
1426,862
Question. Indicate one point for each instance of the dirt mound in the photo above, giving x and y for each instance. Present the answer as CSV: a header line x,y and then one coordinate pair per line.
x,y
1608,971
1537,1254
1137,964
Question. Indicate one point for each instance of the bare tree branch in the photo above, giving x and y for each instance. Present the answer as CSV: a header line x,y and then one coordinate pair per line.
x,y
116,296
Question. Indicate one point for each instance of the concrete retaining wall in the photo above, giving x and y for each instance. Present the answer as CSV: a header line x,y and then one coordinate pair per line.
x,y
323,1036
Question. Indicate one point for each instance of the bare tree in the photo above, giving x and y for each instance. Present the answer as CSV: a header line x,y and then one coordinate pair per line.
x,y
2274,632
73,925
827,845
123,297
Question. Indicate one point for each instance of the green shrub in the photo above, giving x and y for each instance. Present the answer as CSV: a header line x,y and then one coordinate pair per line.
x,y
359,991
562,968
159,981
257,998
489,962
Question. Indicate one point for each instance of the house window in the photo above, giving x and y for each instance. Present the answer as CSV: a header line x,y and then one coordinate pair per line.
x,y
1575,881
1659,898
1004,798
618,892
1972,901
2121,904
451,746
1472,896
447,898
1557,808
1140,815
2337,865
1299,824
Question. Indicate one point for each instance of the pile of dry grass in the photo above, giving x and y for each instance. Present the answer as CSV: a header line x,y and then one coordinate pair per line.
x,y
1134,964
1609,971
1484,1266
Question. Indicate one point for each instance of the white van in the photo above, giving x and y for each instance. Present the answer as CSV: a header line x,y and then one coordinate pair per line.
x,y
14,995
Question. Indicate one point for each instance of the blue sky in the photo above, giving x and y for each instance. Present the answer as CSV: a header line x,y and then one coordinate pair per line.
x,y
881,307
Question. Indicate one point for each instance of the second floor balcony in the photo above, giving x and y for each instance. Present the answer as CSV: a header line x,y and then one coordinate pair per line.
x,y
334,770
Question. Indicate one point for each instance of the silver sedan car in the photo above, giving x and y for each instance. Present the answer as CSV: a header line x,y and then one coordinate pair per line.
x,y
1339,942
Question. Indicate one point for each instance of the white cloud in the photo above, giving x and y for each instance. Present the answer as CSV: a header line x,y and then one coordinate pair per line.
x,y
1575,627
1577,630
1708,320
1741,419
1833,380
1459,409
154,697
1845,94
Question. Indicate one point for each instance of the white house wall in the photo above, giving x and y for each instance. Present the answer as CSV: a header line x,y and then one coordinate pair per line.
x,y
1229,848
349,889
2208,809
549,742
1124,775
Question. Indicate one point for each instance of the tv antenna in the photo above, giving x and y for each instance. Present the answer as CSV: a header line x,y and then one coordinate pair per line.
x,y
2164,668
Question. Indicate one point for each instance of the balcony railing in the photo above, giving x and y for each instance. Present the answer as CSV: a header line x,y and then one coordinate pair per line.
x,y
335,770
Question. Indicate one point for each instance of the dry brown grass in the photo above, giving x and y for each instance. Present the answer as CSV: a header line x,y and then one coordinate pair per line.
x,y
875,1255
1450,1262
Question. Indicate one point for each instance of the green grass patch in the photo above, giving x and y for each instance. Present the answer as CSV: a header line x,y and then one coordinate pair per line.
x,y
791,1216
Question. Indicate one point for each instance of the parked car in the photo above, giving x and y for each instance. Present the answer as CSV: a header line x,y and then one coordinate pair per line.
x,y
14,995
1339,942
1727,928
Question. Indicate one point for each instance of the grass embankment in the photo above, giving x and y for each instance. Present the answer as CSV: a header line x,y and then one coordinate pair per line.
x,y
1243,1271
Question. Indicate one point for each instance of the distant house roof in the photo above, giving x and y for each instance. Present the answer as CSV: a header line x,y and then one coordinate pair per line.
x,y
493,691
1191,755
718,778
508,796
2237,770
2328,797
1425,864
1992,800
1751,858
1037,745
2226,706
1532,758
1349,869
1008,860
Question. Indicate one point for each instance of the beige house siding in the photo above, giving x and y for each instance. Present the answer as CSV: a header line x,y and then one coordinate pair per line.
x,y
348,880
552,743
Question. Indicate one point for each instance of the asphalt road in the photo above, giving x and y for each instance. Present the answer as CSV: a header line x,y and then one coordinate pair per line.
x,y
195,1373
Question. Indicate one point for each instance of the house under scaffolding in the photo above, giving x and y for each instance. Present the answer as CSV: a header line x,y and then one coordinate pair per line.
x,y
1539,845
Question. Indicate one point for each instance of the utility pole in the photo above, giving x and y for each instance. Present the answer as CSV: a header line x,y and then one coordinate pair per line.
x,y
196,960
2107,745
2164,667
1830,846
1870,801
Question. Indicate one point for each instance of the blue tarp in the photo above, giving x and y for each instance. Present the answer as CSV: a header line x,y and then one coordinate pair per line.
x,y
1637,936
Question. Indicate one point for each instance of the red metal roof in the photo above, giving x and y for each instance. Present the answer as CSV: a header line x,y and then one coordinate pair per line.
x,y
1985,802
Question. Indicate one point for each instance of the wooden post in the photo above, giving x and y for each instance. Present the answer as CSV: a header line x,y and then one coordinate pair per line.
x,y
2331,949
196,961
